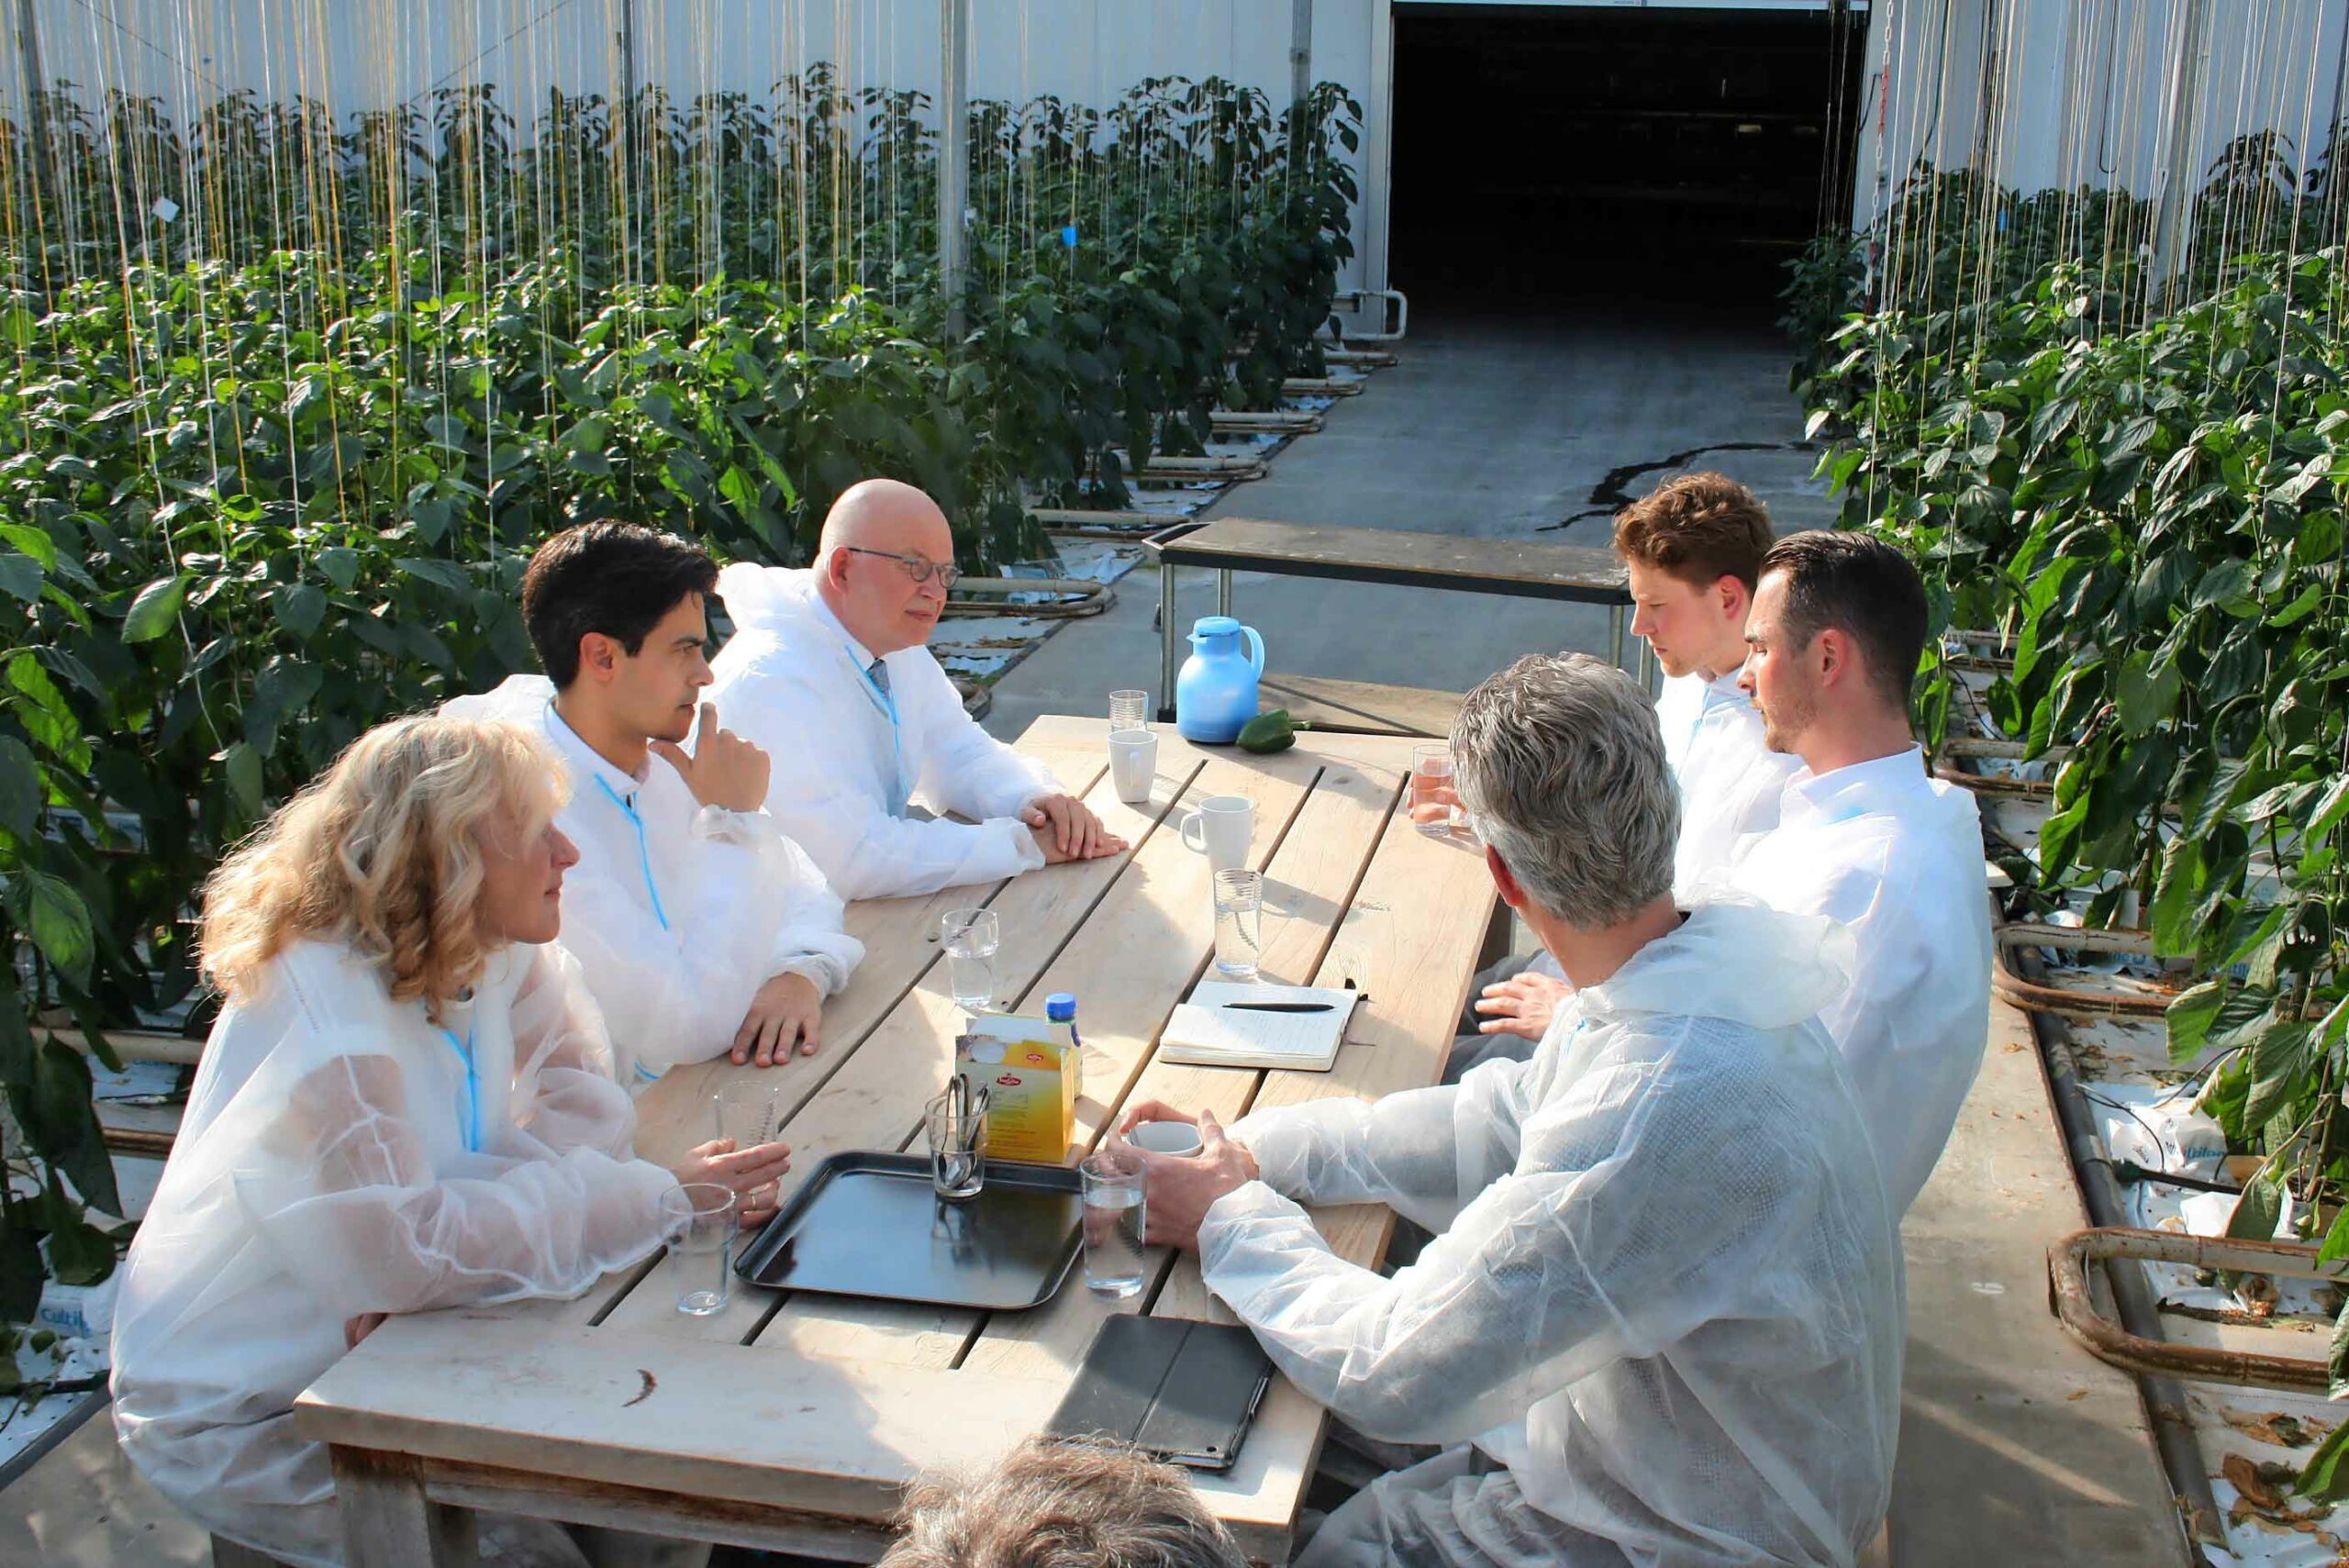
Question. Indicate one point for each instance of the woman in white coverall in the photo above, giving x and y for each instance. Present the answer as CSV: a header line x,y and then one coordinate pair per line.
x,y
1661,1318
408,1104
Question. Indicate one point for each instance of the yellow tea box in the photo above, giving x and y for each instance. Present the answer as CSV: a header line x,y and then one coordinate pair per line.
x,y
1028,1068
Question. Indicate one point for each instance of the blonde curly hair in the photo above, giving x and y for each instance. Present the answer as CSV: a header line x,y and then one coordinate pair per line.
x,y
383,850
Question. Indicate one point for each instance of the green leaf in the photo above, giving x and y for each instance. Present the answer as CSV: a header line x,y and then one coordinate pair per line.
x,y
61,1126
156,607
20,576
300,607
2143,698
20,789
447,573
2323,1479
20,1280
2189,1017
2279,1065
52,913
2257,1211
2329,810
241,764
2227,583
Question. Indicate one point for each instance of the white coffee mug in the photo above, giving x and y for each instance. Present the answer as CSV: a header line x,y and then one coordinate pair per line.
x,y
1165,1137
1221,829
1133,764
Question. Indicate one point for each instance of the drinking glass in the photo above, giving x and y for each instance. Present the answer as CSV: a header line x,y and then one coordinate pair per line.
x,y
1115,1216
698,1221
1239,923
971,938
958,1147
1129,710
1436,801
746,1110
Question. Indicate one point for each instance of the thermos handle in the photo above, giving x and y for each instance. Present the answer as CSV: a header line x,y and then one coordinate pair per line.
x,y
1255,647
1191,820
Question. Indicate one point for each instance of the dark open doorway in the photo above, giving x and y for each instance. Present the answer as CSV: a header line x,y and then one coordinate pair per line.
x,y
1580,156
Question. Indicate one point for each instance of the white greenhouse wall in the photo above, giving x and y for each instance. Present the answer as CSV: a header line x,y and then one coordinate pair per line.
x,y
2063,93
356,55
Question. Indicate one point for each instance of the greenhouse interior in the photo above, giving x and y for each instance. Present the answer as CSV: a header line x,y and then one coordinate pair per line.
x,y
1228,658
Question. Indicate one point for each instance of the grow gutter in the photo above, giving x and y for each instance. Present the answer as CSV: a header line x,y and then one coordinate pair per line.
x,y
2133,1296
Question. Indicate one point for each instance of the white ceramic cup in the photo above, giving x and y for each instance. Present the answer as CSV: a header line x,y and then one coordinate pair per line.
x,y
1221,829
1133,764
1165,1137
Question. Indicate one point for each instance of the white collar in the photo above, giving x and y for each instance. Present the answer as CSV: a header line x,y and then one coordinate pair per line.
x,y
864,657
581,757
1879,784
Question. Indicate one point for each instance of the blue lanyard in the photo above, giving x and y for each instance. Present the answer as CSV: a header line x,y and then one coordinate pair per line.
x,y
473,1085
643,855
887,704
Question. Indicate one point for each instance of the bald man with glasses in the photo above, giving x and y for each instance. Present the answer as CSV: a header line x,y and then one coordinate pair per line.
x,y
828,671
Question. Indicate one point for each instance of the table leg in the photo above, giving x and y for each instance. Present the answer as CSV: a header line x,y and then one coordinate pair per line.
x,y
1615,636
388,1521
1223,591
1166,625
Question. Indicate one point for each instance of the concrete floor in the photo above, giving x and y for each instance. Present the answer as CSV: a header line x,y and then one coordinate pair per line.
x,y
1496,426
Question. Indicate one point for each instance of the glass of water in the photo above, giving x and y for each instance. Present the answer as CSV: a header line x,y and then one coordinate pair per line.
x,y
1435,795
1239,924
746,1111
1115,1216
971,938
698,1221
1129,710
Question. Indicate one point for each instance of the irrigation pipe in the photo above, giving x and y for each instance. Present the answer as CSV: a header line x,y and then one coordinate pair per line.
x,y
2133,1296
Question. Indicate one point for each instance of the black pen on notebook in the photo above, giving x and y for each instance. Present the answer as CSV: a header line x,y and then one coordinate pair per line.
x,y
1283,1006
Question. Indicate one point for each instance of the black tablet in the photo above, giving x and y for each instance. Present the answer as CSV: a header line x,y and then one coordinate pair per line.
x,y
1180,1391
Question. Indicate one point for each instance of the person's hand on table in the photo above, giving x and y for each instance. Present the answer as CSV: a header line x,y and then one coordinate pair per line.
x,y
751,1173
1521,1005
785,1013
1066,829
1182,1187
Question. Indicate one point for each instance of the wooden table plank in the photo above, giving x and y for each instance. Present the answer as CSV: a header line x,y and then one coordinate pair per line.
x,y
1135,957
874,1095
634,1409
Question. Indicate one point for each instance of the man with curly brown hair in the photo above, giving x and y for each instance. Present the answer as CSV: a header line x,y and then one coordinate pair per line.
x,y
1693,550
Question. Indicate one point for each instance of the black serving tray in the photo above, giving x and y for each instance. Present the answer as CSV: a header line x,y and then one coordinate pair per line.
x,y
869,1225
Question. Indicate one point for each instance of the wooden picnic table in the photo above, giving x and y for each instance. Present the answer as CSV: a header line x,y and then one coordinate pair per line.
x,y
793,1421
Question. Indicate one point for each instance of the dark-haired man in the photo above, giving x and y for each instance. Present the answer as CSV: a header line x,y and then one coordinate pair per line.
x,y
1867,837
700,926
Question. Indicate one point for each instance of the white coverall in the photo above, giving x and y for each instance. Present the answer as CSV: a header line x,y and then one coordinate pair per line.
x,y
849,756
1895,855
341,1154
677,912
1664,1301
1730,780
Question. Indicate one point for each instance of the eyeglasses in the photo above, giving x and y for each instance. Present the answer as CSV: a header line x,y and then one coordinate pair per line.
x,y
920,571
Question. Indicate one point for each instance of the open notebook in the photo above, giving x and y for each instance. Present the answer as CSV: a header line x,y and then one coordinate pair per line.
x,y
1204,1032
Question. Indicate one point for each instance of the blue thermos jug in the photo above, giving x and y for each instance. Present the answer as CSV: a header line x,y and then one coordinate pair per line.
x,y
1216,692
